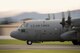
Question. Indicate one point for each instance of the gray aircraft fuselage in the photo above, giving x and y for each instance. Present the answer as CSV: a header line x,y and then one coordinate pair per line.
x,y
44,30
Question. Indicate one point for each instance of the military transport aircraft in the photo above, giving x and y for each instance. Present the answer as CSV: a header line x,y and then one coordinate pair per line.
x,y
49,30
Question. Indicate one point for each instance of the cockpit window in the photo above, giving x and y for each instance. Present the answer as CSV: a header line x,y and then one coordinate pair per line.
x,y
24,25
22,30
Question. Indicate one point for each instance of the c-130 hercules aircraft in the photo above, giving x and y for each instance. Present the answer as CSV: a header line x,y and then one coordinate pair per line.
x,y
49,30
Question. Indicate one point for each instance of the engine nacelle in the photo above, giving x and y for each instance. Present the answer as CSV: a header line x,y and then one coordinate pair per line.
x,y
70,35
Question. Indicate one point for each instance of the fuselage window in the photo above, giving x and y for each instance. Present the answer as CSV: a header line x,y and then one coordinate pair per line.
x,y
21,30
24,25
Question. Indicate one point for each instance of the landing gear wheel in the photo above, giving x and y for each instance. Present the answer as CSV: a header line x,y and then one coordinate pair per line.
x,y
78,42
29,42
75,42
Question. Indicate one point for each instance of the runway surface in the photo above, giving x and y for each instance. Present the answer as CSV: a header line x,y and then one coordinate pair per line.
x,y
40,46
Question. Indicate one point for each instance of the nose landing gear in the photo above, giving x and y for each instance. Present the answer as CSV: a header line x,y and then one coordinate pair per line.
x,y
29,42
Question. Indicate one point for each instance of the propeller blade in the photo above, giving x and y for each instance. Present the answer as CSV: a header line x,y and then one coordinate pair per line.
x,y
63,20
69,19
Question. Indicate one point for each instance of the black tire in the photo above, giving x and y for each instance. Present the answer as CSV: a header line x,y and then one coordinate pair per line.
x,y
29,42
78,42
75,42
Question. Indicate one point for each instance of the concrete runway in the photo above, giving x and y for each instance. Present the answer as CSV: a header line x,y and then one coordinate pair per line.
x,y
39,46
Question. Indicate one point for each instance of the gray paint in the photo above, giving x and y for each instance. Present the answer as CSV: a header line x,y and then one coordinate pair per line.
x,y
52,31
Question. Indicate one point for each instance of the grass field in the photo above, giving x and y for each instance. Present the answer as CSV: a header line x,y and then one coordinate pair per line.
x,y
19,42
10,41
39,51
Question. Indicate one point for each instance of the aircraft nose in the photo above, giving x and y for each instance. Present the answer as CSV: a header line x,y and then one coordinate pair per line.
x,y
13,34
18,35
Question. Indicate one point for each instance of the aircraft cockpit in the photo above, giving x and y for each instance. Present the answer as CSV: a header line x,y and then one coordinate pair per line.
x,y
22,27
